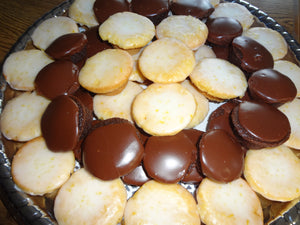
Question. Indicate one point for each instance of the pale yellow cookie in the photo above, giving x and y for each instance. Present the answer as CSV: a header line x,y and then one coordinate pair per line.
x,y
37,170
215,2
204,51
291,70
160,204
292,111
236,11
107,71
82,12
270,39
163,109
52,28
136,74
219,78
21,116
188,29
202,105
274,173
127,30
85,199
21,68
119,105
233,203
167,60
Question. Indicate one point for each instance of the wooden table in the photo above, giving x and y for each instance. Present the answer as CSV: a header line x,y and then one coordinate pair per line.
x,y
17,15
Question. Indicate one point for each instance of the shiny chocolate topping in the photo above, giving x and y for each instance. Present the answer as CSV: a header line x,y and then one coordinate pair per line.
x,y
197,8
155,10
222,30
137,177
57,78
85,97
262,121
60,124
67,45
167,158
271,86
105,8
221,157
112,151
251,55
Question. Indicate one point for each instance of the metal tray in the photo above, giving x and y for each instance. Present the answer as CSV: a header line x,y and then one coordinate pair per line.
x,y
20,205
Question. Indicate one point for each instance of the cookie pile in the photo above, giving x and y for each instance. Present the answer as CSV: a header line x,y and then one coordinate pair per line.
x,y
160,96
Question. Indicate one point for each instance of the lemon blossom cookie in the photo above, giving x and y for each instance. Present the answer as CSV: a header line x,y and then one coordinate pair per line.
x,y
167,60
52,28
37,170
127,30
82,12
163,109
21,68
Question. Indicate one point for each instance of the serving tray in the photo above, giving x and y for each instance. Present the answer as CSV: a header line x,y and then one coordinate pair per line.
x,y
23,209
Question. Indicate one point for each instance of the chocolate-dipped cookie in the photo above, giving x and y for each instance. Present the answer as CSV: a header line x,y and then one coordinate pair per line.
x,y
137,177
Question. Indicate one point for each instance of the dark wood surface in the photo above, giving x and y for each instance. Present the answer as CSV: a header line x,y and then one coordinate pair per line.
x,y
17,15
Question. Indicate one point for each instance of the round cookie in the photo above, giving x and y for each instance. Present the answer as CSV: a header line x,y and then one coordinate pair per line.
x,y
202,105
290,70
52,28
127,30
166,60
157,203
232,203
107,71
273,173
37,170
190,30
292,111
137,177
163,109
82,12
119,105
21,68
136,74
21,116
235,11
219,78
204,51
270,39
84,199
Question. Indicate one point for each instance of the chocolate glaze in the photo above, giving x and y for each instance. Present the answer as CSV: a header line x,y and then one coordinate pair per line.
x,y
197,8
112,151
57,78
221,156
167,158
69,47
260,125
250,55
222,52
137,177
222,30
85,97
155,10
271,86
105,8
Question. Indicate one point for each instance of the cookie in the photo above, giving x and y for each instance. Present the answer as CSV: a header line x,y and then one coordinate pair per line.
x,y
119,105
228,203
52,28
236,11
202,105
127,30
270,39
157,203
273,173
290,70
82,12
166,60
204,51
21,68
219,78
136,74
84,199
190,30
291,110
107,71
163,109
37,170
21,117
